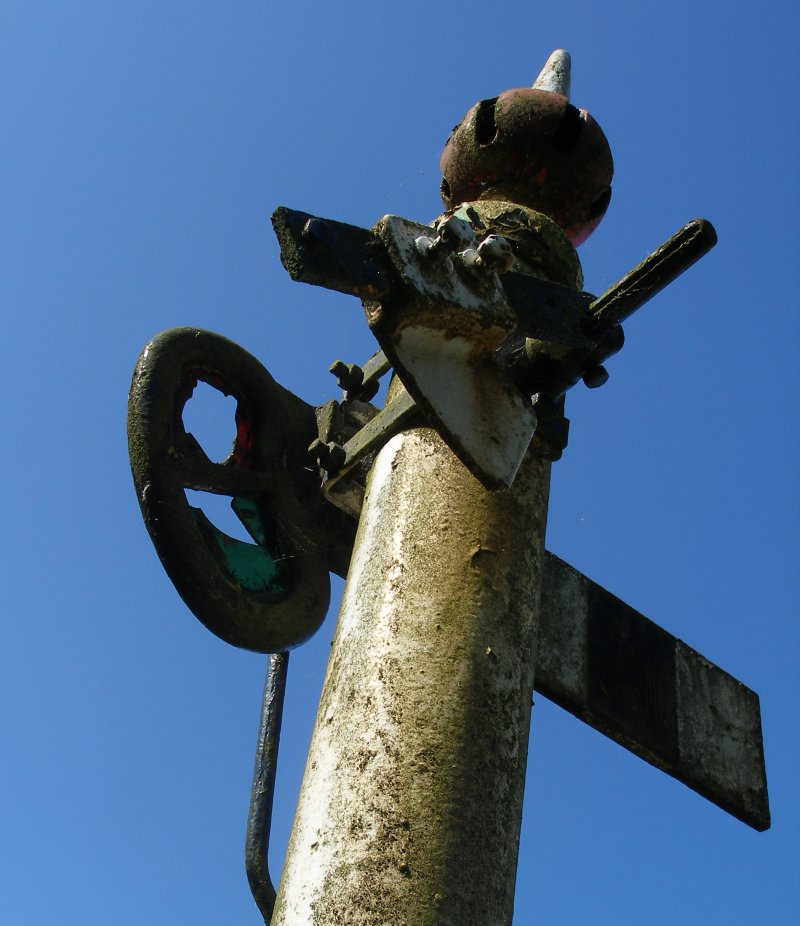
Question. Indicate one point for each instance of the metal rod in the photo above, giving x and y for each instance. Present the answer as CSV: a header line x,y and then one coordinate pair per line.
x,y
376,367
259,816
655,272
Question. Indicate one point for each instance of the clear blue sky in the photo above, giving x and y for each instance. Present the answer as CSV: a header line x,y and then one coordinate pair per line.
x,y
145,145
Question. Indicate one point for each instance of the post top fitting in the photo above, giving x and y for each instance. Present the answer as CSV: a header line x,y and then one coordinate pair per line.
x,y
556,73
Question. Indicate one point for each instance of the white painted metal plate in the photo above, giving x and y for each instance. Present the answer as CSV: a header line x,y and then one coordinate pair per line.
x,y
481,416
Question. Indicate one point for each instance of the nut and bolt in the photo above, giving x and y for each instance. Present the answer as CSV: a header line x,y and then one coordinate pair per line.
x,y
455,232
595,377
350,377
546,407
329,455
452,233
552,429
493,255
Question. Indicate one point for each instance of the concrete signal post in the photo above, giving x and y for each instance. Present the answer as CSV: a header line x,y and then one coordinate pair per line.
x,y
453,611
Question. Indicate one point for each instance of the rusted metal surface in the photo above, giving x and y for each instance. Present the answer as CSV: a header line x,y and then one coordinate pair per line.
x,y
633,681
533,147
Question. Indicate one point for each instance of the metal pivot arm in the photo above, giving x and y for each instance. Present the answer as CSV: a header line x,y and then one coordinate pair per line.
x,y
656,271
537,335
569,335
333,254
354,261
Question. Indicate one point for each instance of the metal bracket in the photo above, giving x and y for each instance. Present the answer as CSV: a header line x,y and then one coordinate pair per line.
x,y
526,336
345,485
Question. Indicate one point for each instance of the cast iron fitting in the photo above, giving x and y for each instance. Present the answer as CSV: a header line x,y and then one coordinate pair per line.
x,y
534,148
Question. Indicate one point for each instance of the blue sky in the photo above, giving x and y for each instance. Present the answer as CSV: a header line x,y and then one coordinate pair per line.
x,y
144,147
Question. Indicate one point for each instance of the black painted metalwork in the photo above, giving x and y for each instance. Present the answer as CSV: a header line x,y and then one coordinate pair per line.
x,y
259,817
266,596
562,336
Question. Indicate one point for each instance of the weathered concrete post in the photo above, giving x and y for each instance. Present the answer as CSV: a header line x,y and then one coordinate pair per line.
x,y
412,797
411,802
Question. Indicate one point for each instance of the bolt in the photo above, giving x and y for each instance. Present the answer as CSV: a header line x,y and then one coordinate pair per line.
x,y
493,255
470,258
546,408
455,232
349,376
595,377
451,233
329,455
425,245
496,253
552,429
